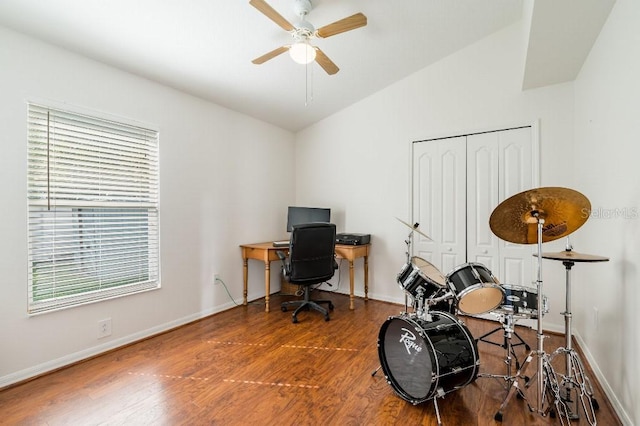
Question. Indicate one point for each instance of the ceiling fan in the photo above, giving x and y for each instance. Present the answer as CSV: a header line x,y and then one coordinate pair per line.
x,y
301,50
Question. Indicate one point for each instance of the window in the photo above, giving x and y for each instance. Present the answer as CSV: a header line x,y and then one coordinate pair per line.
x,y
93,209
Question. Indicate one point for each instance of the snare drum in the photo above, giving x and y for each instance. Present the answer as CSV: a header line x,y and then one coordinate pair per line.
x,y
476,289
420,276
521,302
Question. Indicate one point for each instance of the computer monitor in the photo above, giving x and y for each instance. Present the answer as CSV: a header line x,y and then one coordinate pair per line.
x,y
298,215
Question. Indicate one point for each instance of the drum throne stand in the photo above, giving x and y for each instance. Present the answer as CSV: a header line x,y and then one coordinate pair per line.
x,y
508,325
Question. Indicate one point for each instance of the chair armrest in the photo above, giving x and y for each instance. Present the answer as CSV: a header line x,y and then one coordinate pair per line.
x,y
285,266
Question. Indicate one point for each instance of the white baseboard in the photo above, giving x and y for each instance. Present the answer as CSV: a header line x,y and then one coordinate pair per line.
x,y
52,365
615,402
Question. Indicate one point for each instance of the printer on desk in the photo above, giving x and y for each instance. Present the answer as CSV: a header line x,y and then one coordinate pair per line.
x,y
353,239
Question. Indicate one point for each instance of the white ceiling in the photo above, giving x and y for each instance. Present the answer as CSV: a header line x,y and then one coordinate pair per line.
x,y
205,47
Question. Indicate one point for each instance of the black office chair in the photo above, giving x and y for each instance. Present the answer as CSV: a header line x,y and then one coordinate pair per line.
x,y
311,261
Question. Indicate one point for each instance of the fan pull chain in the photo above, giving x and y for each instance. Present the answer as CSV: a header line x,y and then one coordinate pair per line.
x,y
308,92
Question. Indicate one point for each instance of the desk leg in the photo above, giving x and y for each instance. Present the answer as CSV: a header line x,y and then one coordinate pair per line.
x,y
245,277
351,279
366,278
267,284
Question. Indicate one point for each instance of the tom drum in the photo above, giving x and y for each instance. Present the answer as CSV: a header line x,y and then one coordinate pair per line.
x,y
477,290
420,277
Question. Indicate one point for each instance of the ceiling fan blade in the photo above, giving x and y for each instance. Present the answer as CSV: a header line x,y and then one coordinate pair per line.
x,y
271,13
346,24
326,63
275,52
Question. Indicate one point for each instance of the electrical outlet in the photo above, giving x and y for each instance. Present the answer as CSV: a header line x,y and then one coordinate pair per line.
x,y
104,328
216,278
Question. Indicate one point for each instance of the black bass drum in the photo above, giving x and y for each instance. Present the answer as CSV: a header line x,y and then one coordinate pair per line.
x,y
424,359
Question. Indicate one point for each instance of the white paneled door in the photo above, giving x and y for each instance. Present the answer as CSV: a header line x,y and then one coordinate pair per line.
x,y
457,183
439,199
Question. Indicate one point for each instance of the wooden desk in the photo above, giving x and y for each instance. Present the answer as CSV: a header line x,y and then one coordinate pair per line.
x,y
267,253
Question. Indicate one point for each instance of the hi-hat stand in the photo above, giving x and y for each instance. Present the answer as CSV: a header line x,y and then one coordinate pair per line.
x,y
575,384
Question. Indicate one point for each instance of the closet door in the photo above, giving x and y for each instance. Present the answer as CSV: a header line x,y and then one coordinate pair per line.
x,y
439,198
517,159
457,184
482,196
500,164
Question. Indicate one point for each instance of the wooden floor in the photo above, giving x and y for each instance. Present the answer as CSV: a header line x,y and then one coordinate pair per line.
x,y
245,366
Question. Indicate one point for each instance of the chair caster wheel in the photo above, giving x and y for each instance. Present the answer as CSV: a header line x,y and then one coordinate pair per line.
x,y
498,417
294,320
283,308
327,318
331,306
594,404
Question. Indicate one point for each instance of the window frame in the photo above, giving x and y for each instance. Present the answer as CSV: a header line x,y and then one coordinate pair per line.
x,y
93,207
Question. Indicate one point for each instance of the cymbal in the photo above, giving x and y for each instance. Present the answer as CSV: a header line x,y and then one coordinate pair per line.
x,y
573,256
414,228
564,210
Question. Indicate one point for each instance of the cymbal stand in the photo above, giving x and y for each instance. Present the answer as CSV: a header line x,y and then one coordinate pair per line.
x,y
408,253
546,382
406,299
574,378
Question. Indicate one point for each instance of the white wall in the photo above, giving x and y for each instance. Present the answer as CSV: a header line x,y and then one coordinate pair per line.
x,y
366,146
607,150
218,190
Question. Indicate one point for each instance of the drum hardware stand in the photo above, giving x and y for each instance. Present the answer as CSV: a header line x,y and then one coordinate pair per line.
x,y
513,220
435,405
574,378
545,374
569,383
421,311
408,242
507,322
508,327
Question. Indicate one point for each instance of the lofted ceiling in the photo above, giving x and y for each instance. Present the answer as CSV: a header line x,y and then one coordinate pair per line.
x,y
205,47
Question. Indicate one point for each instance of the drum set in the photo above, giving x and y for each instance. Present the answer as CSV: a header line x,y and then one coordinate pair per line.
x,y
427,351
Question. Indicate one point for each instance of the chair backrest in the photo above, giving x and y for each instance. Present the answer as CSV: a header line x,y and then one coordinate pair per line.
x,y
312,253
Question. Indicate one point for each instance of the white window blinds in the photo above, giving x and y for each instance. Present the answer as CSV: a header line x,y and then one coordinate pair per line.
x,y
93,209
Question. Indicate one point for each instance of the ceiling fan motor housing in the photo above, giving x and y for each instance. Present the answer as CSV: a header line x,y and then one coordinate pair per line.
x,y
302,8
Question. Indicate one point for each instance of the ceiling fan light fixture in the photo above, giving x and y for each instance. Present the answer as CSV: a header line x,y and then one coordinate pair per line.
x,y
302,53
